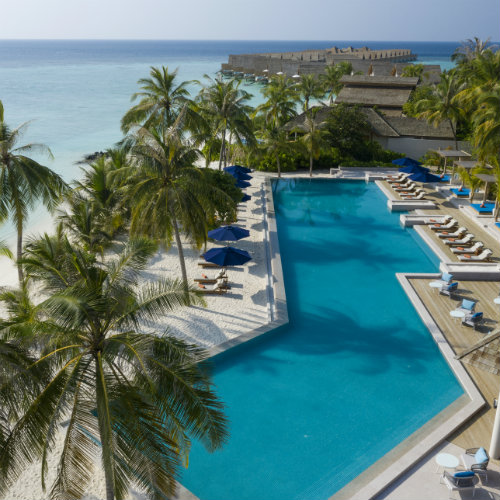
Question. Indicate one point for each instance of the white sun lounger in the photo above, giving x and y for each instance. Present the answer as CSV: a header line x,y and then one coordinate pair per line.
x,y
472,250
457,234
419,196
411,187
455,242
444,227
484,255
444,220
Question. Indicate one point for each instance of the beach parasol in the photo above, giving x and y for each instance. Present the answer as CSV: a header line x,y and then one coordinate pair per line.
x,y
237,168
240,176
424,177
406,162
413,169
242,184
227,256
228,233
246,197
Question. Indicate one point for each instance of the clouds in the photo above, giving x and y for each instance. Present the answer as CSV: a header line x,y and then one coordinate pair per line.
x,y
260,19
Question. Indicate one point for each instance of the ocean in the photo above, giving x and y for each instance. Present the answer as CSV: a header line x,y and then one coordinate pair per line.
x,y
75,92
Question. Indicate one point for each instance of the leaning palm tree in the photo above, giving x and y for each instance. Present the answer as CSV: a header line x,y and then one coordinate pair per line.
x,y
225,104
23,181
168,194
444,104
161,99
126,398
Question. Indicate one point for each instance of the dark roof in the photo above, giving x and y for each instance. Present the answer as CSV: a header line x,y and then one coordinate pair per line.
x,y
297,123
376,96
379,125
412,127
386,81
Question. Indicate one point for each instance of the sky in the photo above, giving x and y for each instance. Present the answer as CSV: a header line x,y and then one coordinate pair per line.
x,y
415,20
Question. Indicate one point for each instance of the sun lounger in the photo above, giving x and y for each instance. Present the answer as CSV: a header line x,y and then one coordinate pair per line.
x,y
483,208
395,178
205,279
475,249
449,289
457,234
217,288
467,306
439,222
204,263
476,460
444,227
411,187
459,193
484,255
420,196
456,242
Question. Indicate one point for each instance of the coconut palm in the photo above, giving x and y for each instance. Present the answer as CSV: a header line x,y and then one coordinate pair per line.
x,y
331,78
470,180
124,396
309,88
161,99
313,138
23,181
444,104
275,142
470,49
169,194
486,119
281,100
224,103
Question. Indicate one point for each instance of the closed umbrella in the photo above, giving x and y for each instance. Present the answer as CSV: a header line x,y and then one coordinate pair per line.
x,y
228,233
227,256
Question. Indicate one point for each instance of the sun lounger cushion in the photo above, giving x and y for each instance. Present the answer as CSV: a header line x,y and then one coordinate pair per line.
x,y
447,277
200,285
481,456
468,304
465,473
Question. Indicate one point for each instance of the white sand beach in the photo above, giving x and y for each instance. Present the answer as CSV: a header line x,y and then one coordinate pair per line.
x,y
226,316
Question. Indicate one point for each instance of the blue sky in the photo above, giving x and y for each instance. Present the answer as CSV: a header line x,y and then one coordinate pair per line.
x,y
435,20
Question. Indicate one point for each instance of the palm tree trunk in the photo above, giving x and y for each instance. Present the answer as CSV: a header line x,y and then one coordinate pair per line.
x,y
228,148
178,242
20,273
278,163
310,165
222,148
454,134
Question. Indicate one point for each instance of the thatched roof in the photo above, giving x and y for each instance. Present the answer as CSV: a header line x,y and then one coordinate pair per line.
x,y
407,126
297,123
374,96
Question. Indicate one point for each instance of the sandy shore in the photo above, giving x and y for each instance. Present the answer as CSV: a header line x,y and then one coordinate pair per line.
x,y
227,316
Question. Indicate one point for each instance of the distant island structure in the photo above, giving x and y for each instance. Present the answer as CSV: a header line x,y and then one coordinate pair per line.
x,y
303,62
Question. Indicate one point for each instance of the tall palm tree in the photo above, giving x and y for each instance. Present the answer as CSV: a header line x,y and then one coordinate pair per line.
x,y
331,78
275,142
224,103
309,88
280,105
161,99
470,49
23,181
486,119
170,195
120,394
444,104
313,137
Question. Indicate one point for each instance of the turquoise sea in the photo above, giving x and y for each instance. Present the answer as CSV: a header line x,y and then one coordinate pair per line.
x,y
76,91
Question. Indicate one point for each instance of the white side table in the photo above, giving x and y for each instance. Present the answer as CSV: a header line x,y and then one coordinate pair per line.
x,y
496,300
457,314
446,461
436,284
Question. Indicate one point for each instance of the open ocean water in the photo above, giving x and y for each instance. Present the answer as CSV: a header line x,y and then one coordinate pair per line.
x,y
75,92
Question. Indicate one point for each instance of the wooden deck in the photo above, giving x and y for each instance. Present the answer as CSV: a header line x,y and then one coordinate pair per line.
x,y
477,431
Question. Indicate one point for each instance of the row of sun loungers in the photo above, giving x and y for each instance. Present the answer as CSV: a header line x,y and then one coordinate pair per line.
x,y
406,189
461,242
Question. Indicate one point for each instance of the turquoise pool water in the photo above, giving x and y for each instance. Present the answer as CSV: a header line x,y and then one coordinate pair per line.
x,y
315,403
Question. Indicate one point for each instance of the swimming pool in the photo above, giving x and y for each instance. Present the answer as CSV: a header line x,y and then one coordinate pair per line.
x,y
316,402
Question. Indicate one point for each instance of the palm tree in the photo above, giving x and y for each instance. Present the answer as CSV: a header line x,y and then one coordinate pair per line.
x,y
169,194
275,142
486,119
23,181
313,138
224,103
120,394
444,104
331,78
470,180
470,49
309,88
281,100
161,99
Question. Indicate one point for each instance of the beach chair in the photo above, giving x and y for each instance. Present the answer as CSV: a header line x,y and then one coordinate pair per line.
x,y
218,288
455,242
411,195
449,289
204,263
395,178
459,481
446,278
473,320
476,460
467,306
419,196
408,189
444,227
205,279
459,233
439,222
483,256
474,249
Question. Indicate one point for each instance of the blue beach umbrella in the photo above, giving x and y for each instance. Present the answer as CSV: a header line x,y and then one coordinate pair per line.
x,y
406,162
228,233
246,197
424,177
240,176
227,256
237,168
242,184
414,169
